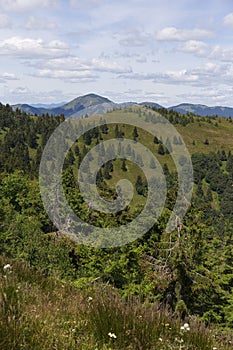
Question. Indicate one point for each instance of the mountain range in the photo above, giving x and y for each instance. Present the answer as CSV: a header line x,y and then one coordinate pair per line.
x,y
94,104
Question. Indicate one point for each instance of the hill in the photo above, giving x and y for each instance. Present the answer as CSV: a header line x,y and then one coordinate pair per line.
x,y
203,110
94,104
77,108
183,276
44,313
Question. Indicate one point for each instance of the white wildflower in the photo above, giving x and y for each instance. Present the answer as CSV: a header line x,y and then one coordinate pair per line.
x,y
7,267
90,298
185,327
112,335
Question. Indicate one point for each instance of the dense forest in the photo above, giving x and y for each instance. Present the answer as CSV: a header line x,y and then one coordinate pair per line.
x,y
184,277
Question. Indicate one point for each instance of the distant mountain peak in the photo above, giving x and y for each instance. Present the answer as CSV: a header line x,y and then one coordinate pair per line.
x,y
92,103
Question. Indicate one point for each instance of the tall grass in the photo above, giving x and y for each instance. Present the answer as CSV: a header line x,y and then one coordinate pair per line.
x,y
37,312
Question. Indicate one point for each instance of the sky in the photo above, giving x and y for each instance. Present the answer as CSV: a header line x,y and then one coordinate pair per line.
x,y
163,51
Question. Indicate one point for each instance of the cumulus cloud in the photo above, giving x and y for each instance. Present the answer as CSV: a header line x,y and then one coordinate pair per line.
x,y
166,77
174,34
71,76
75,69
208,74
194,46
72,64
108,66
26,5
32,48
201,49
220,53
228,20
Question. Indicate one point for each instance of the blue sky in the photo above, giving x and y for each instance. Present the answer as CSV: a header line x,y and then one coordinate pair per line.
x,y
132,50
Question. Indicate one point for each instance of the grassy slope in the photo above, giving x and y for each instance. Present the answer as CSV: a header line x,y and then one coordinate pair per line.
x,y
42,313
219,133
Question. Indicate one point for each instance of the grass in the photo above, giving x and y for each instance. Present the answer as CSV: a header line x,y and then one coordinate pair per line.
x,y
37,312
218,132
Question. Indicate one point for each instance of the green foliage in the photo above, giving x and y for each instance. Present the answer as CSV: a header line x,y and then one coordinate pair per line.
x,y
188,271
35,308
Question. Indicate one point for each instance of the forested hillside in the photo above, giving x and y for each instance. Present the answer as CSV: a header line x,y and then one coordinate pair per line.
x,y
185,276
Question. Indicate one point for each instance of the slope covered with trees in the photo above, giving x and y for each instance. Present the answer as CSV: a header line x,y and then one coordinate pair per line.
x,y
188,273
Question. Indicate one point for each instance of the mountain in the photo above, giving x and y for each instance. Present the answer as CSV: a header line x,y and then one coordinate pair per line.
x,y
95,104
203,110
88,104
150,104
29,109
77,108
51,105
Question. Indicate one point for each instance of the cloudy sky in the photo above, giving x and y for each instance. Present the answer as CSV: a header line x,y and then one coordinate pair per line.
x,y
127,50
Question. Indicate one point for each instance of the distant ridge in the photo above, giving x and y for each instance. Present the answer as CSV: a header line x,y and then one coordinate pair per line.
x,y
203,110
94,104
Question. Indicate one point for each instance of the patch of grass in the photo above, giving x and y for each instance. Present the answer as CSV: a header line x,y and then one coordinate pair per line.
x,y
37,312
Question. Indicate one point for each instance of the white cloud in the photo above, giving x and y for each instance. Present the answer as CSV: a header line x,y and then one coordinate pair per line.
x,y
211,96
32,48
174,34
7,76
209,74
34,23
4,21
228,20
70,76
80,64
193,46
219,53
24,94
108,66
26,5
167,77
201,49
75,69
137,95
174,77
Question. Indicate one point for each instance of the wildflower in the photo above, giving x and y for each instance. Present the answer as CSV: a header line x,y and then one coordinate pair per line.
x,y
214,348
112,335
160,339
185,327
90,299
7,267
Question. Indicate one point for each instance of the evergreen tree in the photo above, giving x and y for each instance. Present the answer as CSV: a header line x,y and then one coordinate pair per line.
x,y
156,140
161,150
135,134
123,165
